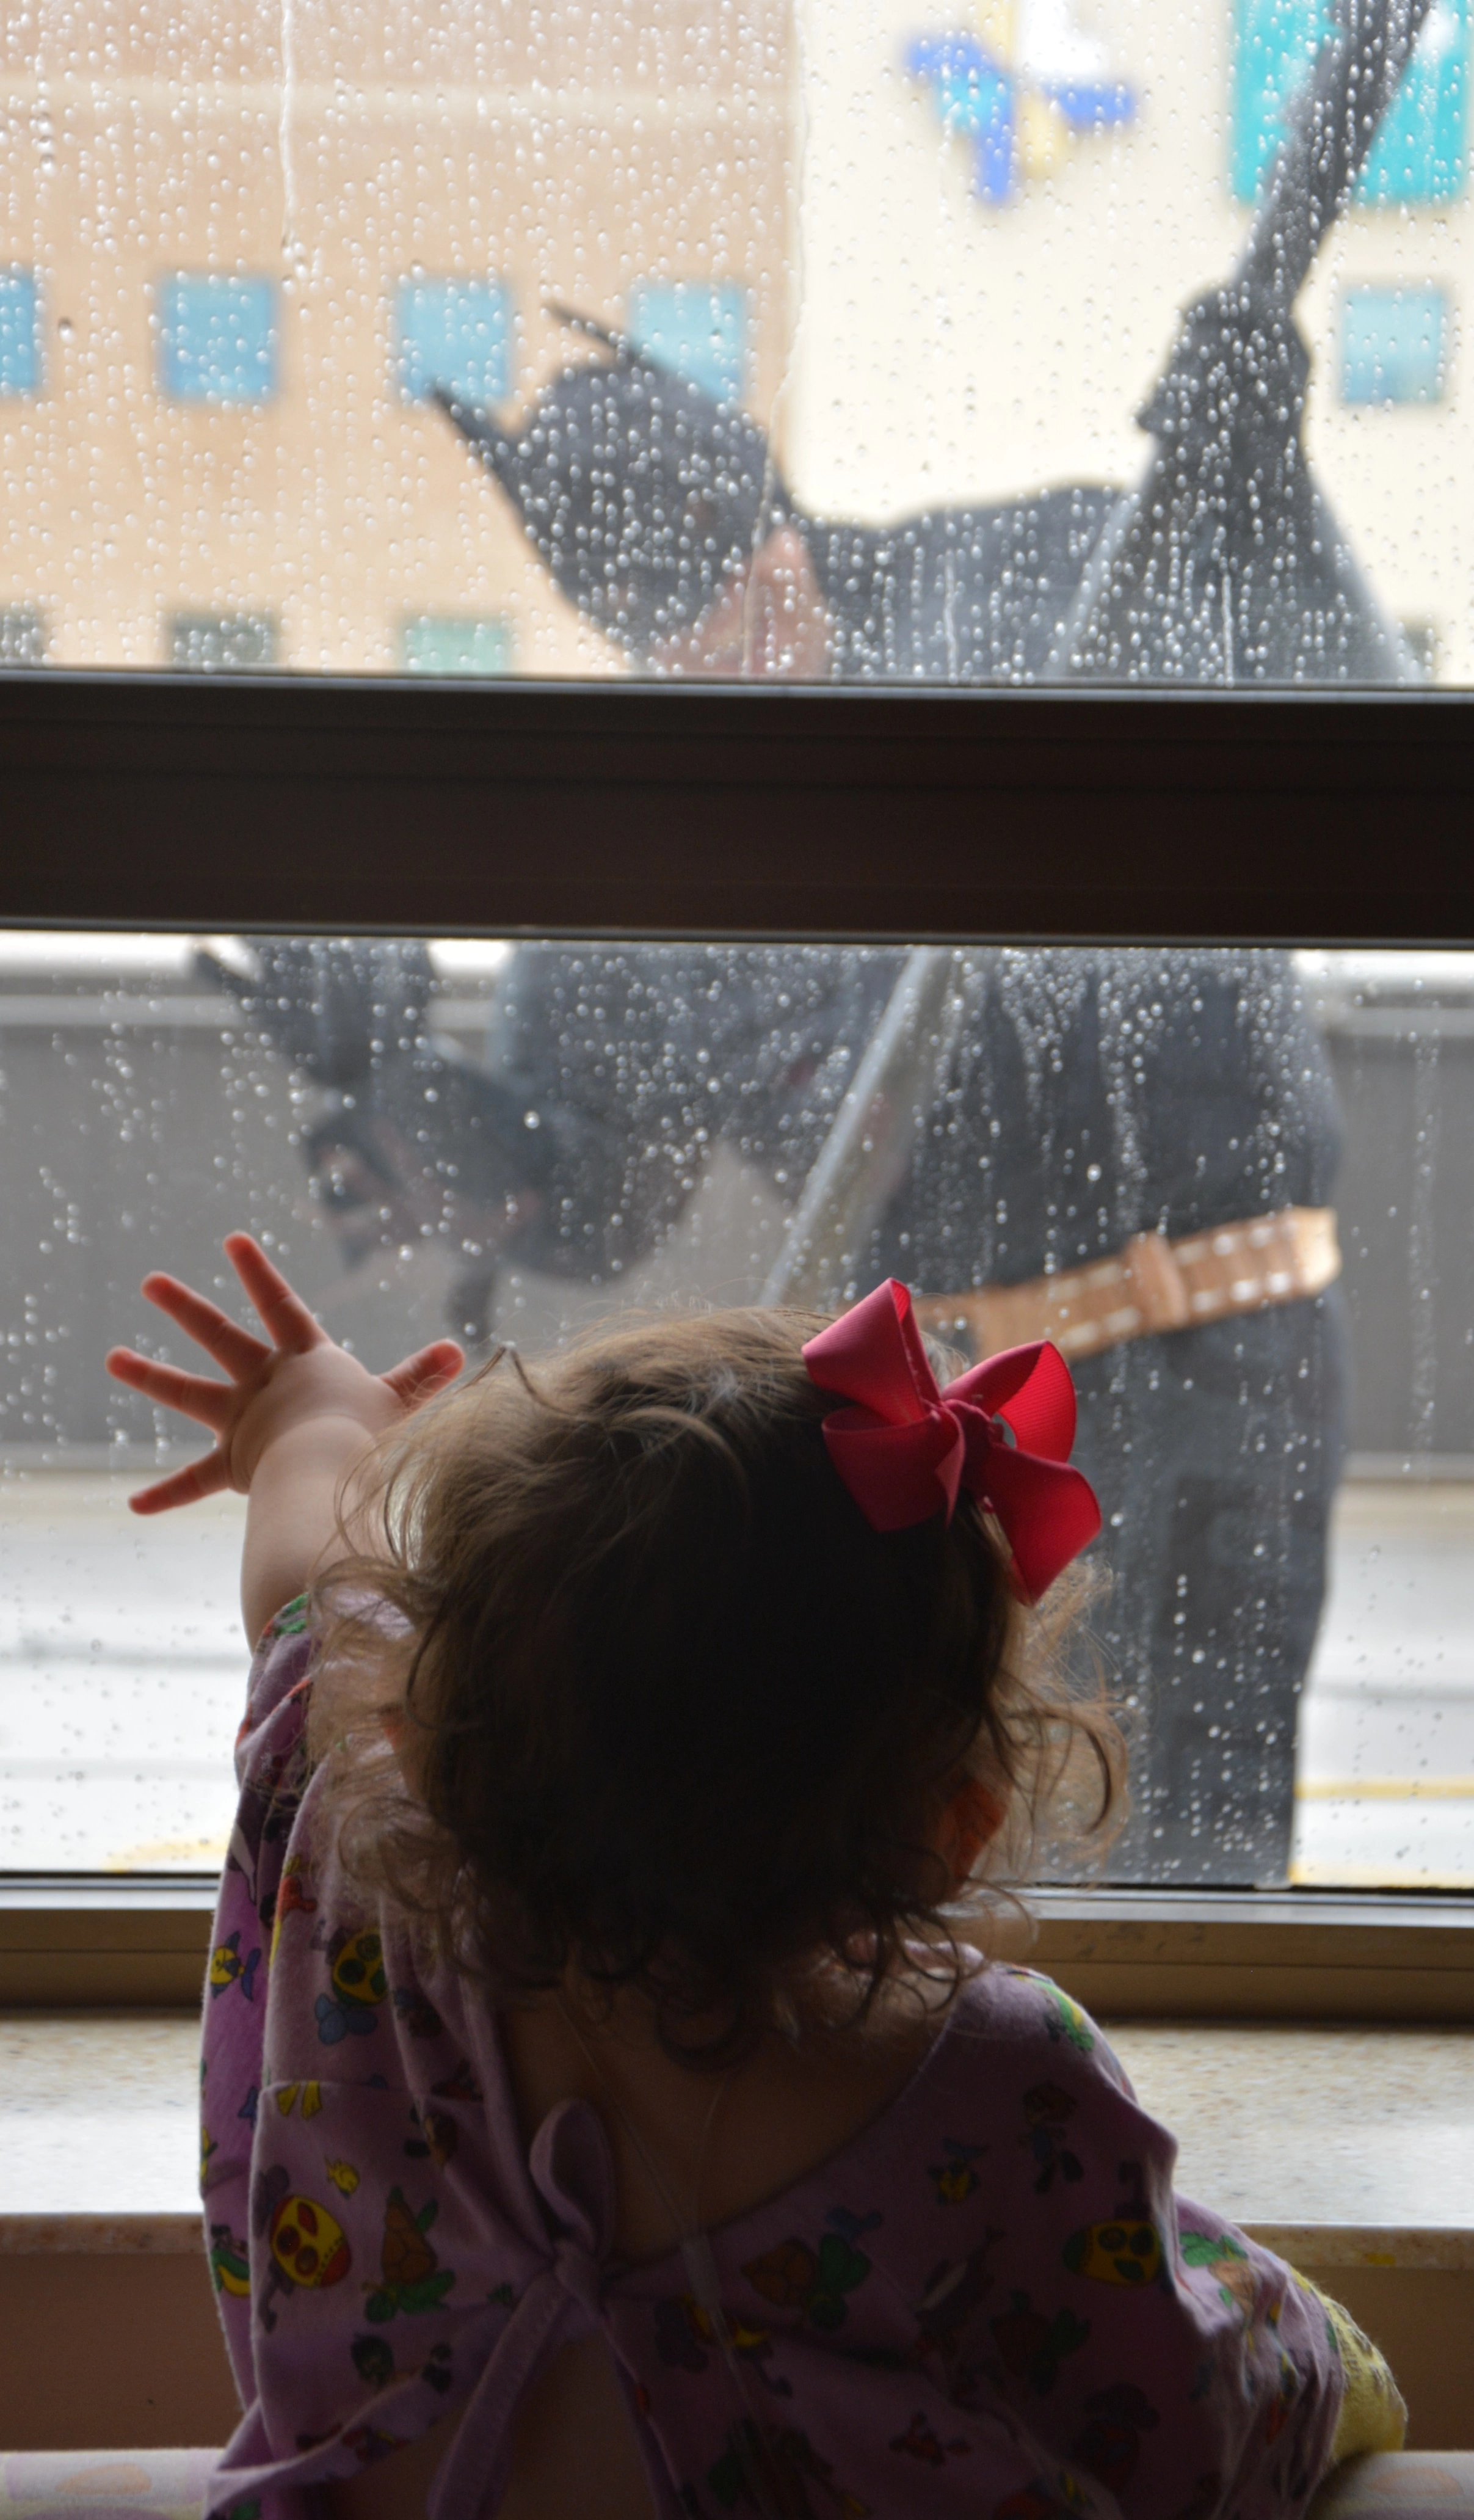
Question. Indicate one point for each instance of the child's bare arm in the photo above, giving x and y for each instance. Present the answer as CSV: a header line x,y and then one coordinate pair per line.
x,y
291,1426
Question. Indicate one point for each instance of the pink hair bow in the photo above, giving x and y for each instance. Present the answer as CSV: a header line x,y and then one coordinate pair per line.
x,y
1001,1432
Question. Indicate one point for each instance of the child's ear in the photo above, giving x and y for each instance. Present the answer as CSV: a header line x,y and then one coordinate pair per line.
x,y
972,1820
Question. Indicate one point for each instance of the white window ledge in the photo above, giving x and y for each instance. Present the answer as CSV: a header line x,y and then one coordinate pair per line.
x,y
1338,2148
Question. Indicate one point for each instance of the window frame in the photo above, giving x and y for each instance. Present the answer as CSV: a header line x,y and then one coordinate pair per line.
x,y
1303,1955
277,800
216,803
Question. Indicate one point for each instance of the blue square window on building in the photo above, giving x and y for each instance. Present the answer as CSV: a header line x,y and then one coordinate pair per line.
x,y
455,642
697,327
456,334
23,635
217,338
19,333
1393,345
222,643
1421,150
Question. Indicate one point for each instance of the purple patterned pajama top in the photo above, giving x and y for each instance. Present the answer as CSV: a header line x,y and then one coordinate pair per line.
x,y
988,2301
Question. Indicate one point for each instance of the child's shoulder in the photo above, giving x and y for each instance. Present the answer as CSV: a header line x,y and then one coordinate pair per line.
x,y
1016,2065
1025,2016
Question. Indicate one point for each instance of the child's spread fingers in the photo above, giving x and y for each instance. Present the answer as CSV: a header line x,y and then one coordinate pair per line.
x,y
282,1311
183,1487
220,1337
420,1377
194,1395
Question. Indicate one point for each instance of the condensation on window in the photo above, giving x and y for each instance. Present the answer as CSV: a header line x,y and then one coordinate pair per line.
x,y
973,342
1230,1183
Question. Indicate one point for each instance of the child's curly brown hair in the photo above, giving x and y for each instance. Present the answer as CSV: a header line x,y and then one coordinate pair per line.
x,y
661,1711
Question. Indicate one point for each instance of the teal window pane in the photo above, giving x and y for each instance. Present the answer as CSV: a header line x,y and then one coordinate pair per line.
x,y
1393,345
23,635
696,328
456,334
19,333
222,643
1421,150
217,338
446,643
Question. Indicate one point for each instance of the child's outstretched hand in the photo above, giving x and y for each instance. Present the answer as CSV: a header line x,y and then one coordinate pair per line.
x,y
302,1375
301,1405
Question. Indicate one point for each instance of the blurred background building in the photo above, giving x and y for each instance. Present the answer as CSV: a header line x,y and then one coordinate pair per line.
x,y
237,245
937,245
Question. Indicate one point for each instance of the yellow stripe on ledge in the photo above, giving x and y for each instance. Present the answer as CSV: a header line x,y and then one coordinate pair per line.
x,y
1373,1877
1385,1790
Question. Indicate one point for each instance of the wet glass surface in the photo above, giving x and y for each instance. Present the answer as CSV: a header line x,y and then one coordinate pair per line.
x,y
1230,1183
838,339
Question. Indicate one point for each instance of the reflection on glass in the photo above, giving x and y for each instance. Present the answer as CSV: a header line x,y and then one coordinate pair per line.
x,y
1227,1181
837,339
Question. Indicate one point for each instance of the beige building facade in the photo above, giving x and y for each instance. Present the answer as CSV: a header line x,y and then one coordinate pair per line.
x,y
318,167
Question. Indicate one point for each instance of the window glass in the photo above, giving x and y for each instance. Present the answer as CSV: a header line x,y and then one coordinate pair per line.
x,y
19,333
455,336
1420,149
1230,1184
221,643
694,329
217,339
456,643
23,635
907,341
1393,345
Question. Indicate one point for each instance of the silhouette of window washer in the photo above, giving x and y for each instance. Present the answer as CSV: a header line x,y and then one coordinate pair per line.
x,y
661,514
1159,1126
1103,1111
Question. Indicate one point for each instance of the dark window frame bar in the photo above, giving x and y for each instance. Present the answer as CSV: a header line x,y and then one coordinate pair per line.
x,y
638,809
1332,818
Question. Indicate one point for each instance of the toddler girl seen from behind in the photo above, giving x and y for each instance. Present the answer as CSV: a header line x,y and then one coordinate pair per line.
x,y
604,2111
